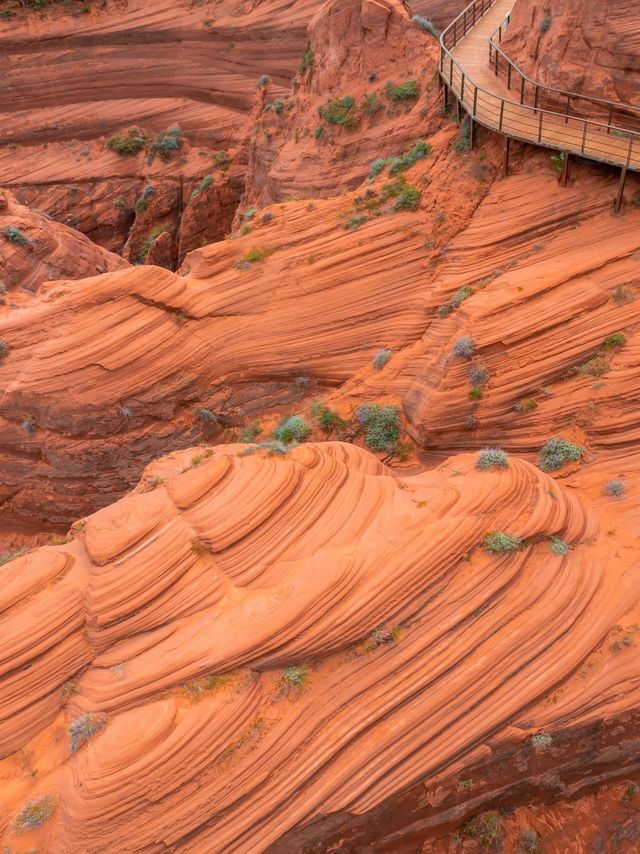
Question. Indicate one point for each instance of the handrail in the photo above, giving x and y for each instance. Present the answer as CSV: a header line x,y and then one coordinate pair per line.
x,y
611,106
585,137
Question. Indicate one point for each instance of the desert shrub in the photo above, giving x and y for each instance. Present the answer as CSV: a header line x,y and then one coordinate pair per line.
x,y
407,91
464,347
256,254
166,143
485,829
617,339
498,542
148,243
381,358
307,59
327,419
266,217
614,488
418,151
34,813
355,222
127,145
141,204
530,842
426,26
381,426
29,424
463,141
84,728
558,546
205,415
542,740
556,452
558,161
371,104
14,235
376,167
277,106
7,557
295,676
339,111
408,200
492,458
222,160
623,294
206,182
476,393
478,375
250,434
545,23
526,405
264,80
302,382
292,429
456,300
319,132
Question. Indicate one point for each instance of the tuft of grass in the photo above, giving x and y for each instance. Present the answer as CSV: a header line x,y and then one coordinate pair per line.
x,y
407,91
456,300
478,375
205,415
418,151
526,405
485,829
381,426
371,104
292,429
381,358
84,728
339,111
614,488
355,222
256,254
128,145
7,557
530,841
14,235
463,141
556,452
492,458
306,63
617,339
558,161
542,740
206,182
498,542
295,676
35,813
426,26
327,419
376,167
263,80
476,393
250,434
464,347
223,161
408,200
558,546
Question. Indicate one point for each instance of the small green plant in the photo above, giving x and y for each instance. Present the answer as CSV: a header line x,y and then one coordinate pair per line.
x,y
418,151
408,200
151,239
295,676
292,429
492,458
478,375
623,294
277,106
371,104
530,842
35,813
256,254
463,141
355,222
263,80
376,168
84,728
407,91
206,182
464,347
476,393
617,339
498,542
614,488
556,452
426,26
339,111
14,235
545,23
526,405
250,434
167,143
558,161
542,740
381,358
327,419
205,415
223,161
485,829
381,426
307,59
456,300
558,546
128,145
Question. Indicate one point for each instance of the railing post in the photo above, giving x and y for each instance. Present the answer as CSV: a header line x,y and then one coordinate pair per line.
x,y
497,55
610,119
584,137
623,178
535,100
540,127
500,35
462,88
507,147
565,171
473,8
475,101
465,23
501,115
509,76
522,90
451,71
568,108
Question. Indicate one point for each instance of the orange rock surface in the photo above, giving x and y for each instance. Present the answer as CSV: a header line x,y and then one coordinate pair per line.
x,y
176,613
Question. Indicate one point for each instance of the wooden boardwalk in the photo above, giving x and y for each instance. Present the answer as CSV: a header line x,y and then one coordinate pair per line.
x,y
477,73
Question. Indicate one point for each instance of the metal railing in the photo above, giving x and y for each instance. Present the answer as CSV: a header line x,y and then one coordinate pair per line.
x,y
586,137
615,116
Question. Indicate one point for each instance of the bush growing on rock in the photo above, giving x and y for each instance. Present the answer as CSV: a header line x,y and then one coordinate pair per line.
x,y
456,300
376,167
464,347
327,419
35,813
381,358
84,728
250,434
426,26
292,429
556,452
264,80
381,426
339,111
407,91
541,740
492,458
617,339
498,542
614,488
558,546
408,200
127,145
14,235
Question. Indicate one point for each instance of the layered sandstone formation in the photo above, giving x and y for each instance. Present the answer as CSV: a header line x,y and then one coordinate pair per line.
x,y
270,642
578,45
